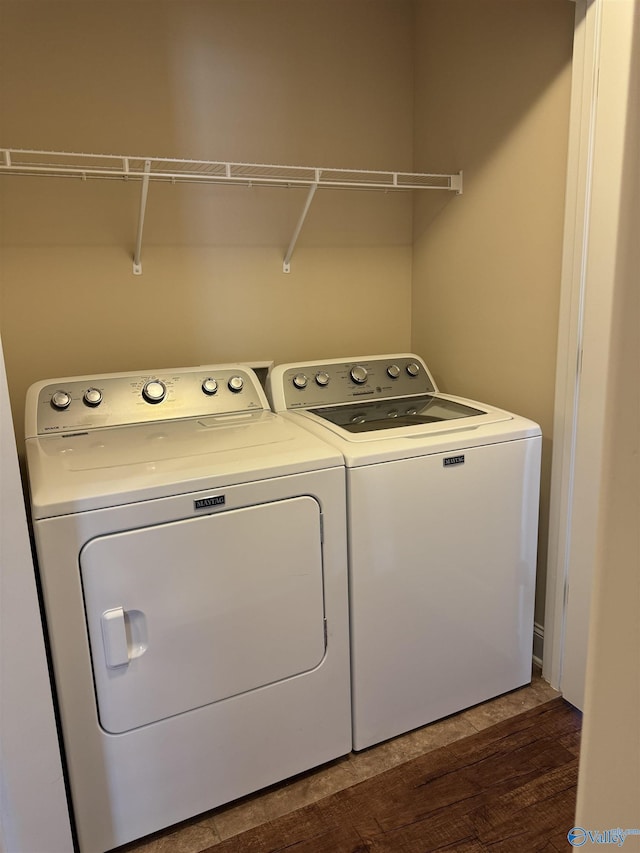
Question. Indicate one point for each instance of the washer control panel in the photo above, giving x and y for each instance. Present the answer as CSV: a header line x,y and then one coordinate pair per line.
x,y
115,399
332,382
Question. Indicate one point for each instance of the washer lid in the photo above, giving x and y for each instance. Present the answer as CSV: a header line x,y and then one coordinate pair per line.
x,y
392,414
107,467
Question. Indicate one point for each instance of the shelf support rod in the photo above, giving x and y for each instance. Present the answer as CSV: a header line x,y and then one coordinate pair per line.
x,y
137,263
286,266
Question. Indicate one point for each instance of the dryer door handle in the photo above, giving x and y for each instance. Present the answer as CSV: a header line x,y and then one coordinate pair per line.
x,y
114,637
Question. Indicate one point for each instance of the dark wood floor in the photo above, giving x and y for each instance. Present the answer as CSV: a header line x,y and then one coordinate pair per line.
x,y
508,789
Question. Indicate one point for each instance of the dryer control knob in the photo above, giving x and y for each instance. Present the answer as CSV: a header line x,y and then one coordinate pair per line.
x,y
322,379
235,384
154,391
61,400
300,380
209,386
359,374
393,371
92,397
413,369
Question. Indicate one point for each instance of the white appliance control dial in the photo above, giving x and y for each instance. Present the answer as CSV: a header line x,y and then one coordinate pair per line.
x,y
154,391
92,397
322,379
393,371
413,368
61,400
300,380
235,384
358,374
209,386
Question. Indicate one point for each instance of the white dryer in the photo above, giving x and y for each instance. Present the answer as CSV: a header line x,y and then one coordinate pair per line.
x,y
192,552
442,501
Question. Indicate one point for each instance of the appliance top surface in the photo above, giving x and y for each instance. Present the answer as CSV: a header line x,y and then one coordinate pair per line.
x,y
124,448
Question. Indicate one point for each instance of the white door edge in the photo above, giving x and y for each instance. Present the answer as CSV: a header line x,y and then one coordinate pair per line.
x,y
570,329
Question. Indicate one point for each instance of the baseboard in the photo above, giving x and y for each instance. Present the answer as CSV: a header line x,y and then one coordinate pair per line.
x,y
538,643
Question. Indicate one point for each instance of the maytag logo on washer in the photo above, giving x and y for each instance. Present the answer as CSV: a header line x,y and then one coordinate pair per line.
x,y
453,460
207,503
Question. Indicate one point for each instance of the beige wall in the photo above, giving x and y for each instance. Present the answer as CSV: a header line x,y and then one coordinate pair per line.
x,y
483,83
492,98
284,81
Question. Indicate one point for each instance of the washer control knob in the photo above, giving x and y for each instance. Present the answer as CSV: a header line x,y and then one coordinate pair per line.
x,y
235,384
359,374
300,380
209,386
393,371
322,379
358,419
61,400
413,368
92,397
154,391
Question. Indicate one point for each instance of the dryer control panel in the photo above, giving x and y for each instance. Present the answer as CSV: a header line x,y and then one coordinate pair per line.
x,y
90,402
329,383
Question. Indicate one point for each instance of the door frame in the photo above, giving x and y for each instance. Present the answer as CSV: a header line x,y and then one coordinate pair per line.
x,y
594,175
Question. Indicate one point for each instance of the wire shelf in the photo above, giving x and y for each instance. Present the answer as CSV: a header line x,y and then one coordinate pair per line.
x,y
64,164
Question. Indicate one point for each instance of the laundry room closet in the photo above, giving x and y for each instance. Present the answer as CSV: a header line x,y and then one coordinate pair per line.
x,y
470,281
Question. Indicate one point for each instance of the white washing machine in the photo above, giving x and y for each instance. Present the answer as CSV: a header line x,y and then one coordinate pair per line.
x,y
442,502
192,552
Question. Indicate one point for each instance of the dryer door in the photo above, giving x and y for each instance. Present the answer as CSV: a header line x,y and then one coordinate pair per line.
x,y
196,611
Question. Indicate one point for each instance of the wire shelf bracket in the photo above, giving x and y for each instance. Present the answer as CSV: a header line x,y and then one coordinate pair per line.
x,y
137,259
20,161
286,264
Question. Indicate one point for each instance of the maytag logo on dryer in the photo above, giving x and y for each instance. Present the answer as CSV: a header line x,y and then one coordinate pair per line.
x,y
209,503
453,460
